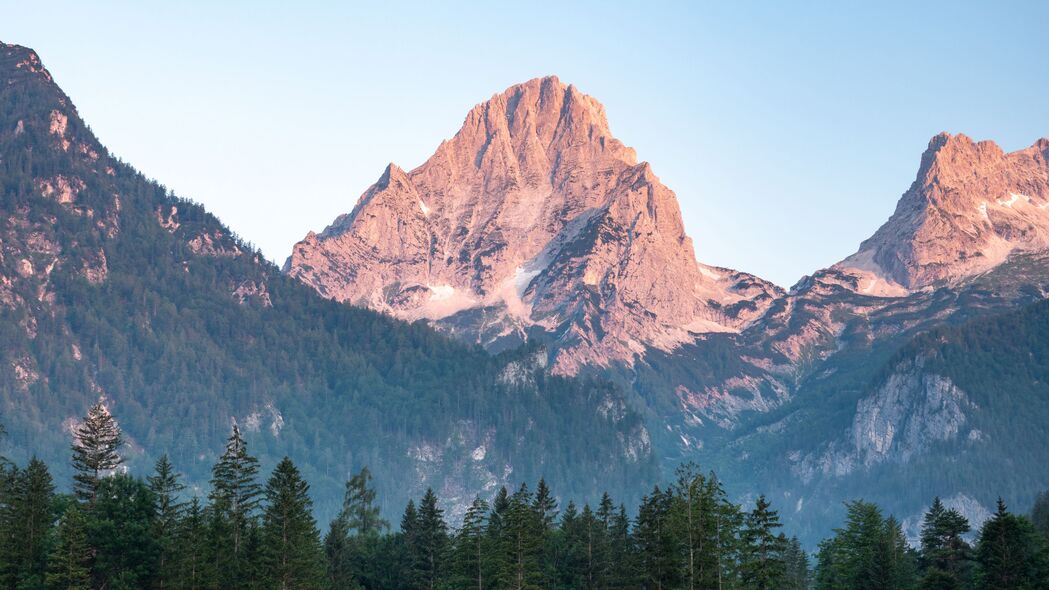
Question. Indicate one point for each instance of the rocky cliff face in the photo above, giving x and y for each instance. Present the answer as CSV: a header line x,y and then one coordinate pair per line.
x,y
971,206
532,219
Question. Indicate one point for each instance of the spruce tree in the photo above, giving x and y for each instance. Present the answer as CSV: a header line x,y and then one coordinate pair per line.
x,y
431,536
470,557
523,534
1010,553
763,567
95,451
120,530
412,547
797,566
31,519
656,543
192,563
943,546
68,564
166,487
291,553
235,496
623,572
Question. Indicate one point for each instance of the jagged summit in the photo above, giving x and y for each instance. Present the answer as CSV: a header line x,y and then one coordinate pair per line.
x,y
533,218
970,207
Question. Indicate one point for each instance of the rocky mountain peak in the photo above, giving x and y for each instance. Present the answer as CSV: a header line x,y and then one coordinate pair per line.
x,y
971,206
532,219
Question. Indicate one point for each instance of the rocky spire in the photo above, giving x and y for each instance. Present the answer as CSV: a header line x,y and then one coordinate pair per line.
x,y
532,217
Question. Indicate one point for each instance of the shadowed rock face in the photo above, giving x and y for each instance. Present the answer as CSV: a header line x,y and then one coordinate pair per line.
x,y
533,218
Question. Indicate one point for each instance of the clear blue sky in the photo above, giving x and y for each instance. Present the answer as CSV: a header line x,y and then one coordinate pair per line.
x,y
788,132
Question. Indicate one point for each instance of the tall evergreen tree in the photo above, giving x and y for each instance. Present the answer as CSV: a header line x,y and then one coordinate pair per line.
x,y
522,535
68,566
763,567
431,536
1011,554
120,530
658,568
235,496
623,572
797,566
471,557
192,563
166,487
943,546
291,553
95,451
26,515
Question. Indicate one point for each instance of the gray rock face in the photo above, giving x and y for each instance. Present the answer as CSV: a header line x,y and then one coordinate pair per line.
x,y
533,218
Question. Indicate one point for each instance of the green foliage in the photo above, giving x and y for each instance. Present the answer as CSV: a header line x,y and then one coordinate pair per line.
x,y
1011,554
68,565
95,451
291,554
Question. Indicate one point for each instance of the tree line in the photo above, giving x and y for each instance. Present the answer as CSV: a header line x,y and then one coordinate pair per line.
x,y
115,531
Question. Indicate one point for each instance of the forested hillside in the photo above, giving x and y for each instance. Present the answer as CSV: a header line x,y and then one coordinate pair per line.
x,y
249,531
943,412
113,288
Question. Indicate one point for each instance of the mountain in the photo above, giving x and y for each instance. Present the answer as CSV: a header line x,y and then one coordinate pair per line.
x,y
111,287
533,221
898,373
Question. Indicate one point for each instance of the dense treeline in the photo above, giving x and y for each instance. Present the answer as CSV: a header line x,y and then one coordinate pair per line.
x,y
115,531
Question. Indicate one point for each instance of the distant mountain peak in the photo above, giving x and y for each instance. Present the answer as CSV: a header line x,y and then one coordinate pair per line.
x,y
971,206
533,218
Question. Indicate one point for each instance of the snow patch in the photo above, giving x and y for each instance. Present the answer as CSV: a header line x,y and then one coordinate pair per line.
x,y
479,453
1013,198
424,208
982,209
709,273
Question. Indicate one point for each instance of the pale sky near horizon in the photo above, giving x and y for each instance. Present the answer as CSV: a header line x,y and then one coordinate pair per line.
x,y
788,132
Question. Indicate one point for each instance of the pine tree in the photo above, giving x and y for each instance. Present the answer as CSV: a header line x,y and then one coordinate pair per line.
x,y
797,566
192,563
412,546
655,541
291,553
570,553
120,530
95,451
545,507
623,572
358,507
235,496
32,515
943,546
431,535
763,567
165,485
522,538
470,557
68,563
1011,554
352,534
